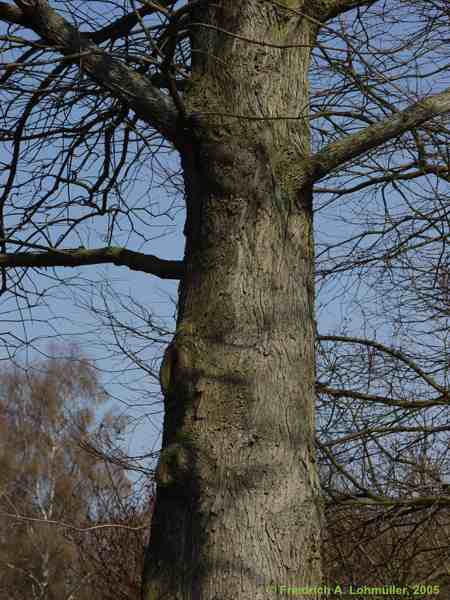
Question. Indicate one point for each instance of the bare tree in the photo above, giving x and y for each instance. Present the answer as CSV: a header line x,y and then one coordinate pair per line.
x,y
111,558
275,109
45,479
71,520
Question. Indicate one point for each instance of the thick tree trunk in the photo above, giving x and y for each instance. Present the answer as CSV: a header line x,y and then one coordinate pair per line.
x,y
238,496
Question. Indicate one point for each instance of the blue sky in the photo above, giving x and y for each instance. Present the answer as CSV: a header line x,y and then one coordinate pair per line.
x,y
67,317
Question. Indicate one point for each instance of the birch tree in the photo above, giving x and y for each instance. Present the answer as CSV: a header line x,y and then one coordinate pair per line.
x,y
47,481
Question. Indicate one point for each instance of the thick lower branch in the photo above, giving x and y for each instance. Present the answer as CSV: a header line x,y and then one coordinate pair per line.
x,y
146,263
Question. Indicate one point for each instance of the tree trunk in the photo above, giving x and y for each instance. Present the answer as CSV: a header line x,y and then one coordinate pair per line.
x,y
238,505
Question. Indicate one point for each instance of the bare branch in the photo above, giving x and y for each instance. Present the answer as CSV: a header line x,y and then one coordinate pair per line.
x,y
390,351
11,14
413,405
65,525
434,501
146,263
333,8
121,27
125,84
352,146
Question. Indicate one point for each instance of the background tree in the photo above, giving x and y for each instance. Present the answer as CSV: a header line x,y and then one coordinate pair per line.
x,y
56,499
226,85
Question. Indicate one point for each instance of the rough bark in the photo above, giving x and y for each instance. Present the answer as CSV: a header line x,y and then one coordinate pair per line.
x,y
238,495
121,257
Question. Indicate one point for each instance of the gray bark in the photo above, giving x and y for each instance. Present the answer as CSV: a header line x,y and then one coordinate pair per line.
x,y
238,495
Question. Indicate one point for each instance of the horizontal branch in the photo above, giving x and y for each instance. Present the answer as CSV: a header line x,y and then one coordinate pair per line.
x,y
358,144
379,432
146,263
433,501
64,525
365,496
124,83
412,405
